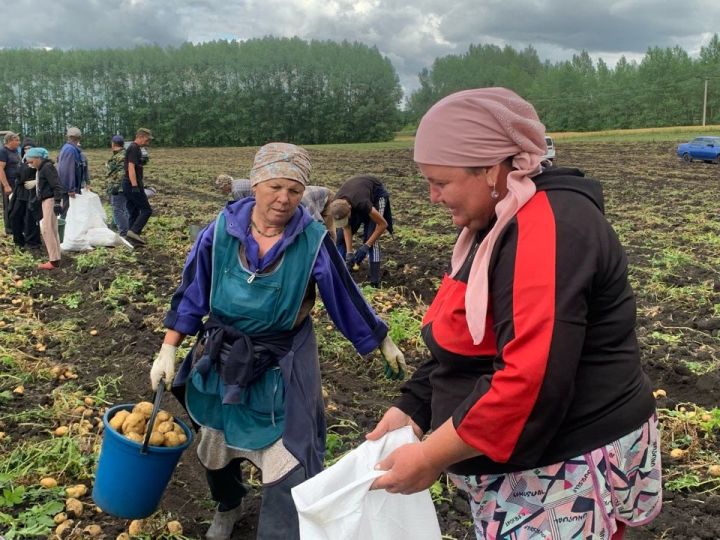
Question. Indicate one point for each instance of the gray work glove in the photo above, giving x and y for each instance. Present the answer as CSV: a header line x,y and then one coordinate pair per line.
x,y
30,184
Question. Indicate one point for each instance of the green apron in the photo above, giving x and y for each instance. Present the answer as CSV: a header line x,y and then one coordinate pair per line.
x,y
254,304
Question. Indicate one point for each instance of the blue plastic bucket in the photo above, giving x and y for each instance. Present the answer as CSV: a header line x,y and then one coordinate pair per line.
x,y
128,483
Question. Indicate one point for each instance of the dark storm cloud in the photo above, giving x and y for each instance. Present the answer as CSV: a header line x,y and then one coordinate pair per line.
x,y
410,34
91,24
615,26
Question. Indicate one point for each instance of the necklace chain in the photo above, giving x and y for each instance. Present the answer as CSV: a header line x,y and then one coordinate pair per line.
x,y
266,235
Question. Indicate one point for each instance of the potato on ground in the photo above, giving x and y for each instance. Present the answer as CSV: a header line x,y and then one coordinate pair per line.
x,y
174,527
62,529
92,531
77,491
48,482
74,507
136,527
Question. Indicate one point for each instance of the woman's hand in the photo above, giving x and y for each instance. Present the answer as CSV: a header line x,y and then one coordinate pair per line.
x,y
409,470
393,419
414,467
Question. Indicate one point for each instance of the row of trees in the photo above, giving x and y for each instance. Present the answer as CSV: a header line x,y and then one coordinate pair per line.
x,y
664,89
213,94
247,93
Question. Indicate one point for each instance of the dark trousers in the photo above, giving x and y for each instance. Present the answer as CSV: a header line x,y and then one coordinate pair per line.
x,y
278,515
6,205
138,207
25,228
121,218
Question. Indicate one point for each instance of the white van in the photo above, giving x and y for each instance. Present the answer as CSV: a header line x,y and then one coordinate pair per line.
x,y
550,154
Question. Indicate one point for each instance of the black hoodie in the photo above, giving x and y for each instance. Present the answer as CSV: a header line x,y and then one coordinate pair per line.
x,y
48,184
558,372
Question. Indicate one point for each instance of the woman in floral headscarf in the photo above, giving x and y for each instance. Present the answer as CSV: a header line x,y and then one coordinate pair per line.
x,y
539,407
252,382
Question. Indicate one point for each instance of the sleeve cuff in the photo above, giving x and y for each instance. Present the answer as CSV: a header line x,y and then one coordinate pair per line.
x,y
185,325
415,409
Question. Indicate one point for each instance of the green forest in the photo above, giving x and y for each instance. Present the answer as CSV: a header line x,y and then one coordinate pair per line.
x,y
666,88
220,93
229,93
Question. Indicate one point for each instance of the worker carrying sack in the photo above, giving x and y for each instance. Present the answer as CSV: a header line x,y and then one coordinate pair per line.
x,y
338,503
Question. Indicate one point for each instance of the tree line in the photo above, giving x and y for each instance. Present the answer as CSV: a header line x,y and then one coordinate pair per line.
x,y
229,93
222,93
664,89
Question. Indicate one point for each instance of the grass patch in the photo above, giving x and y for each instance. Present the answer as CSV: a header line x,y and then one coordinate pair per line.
x,y
60,457
399,143
71,300
102,257
676,133
688,436
27,511
411,237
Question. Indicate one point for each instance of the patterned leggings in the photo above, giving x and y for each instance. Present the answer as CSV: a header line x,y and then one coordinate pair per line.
x,y
589,497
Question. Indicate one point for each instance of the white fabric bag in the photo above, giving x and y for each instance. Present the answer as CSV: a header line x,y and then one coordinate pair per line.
x,y
102,236
337,504
76,224
85,224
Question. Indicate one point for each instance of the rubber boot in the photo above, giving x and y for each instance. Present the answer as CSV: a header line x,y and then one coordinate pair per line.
x,y
223,523
374,274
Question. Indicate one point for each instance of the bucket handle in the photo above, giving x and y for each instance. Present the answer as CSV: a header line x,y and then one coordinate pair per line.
x,y
156,409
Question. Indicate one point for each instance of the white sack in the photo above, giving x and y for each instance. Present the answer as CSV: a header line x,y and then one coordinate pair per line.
x,y
85,224
102,236
76,224
337,504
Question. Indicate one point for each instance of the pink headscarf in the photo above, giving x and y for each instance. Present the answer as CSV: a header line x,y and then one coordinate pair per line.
x,y
481,128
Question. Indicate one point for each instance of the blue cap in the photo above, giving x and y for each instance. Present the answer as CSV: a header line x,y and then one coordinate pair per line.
x,y
118,139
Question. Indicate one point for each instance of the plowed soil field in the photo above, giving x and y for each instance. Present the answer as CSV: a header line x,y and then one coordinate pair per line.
x,y
98,320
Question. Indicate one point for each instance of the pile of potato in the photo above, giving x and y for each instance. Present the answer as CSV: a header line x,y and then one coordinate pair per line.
x,y
134,426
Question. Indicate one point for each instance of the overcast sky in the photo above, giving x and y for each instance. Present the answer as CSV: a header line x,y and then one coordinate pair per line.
x,y
411,33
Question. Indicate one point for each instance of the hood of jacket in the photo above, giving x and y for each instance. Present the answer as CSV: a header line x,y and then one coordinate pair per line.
x,y
571,179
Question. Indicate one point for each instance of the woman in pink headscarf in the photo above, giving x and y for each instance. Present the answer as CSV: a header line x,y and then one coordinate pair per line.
x,y
537,402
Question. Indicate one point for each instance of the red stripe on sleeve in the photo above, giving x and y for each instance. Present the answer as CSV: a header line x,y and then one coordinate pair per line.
x,y
495,422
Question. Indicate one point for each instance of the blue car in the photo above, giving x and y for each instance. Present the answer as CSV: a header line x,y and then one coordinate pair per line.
x,y
701,148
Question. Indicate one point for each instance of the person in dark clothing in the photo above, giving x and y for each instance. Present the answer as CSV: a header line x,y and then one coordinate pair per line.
x,y
26,211
253,381
362,200
50,191
9,170
538,405
138,206
115,170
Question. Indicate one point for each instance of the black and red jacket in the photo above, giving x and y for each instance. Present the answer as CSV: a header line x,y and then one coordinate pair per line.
x,y
558,372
